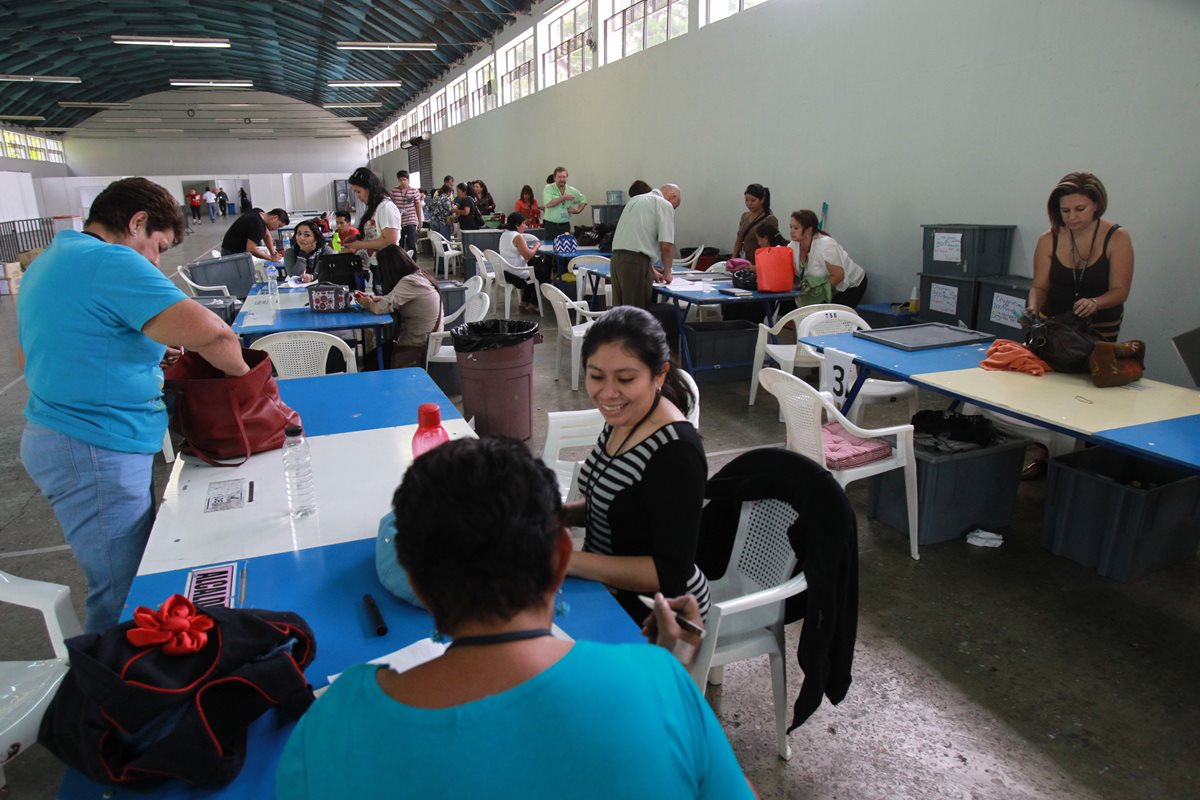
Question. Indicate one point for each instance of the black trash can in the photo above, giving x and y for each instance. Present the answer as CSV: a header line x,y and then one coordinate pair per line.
x,y
495,366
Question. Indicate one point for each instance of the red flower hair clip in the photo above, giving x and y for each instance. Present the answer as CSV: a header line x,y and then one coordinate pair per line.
x,y
176,625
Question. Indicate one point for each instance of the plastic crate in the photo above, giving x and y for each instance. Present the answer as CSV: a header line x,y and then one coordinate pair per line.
x,y
939,293
956,492
980,250
1125,516
721,351
1000,304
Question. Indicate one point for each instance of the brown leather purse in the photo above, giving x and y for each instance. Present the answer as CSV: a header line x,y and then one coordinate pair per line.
x,y
1117,363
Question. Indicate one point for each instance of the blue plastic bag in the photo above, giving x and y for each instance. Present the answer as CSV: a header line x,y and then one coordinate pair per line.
x,y
387,567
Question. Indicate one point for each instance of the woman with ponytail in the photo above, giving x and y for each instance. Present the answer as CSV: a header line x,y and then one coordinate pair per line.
x,y
825,273
758,213
380,223
643,483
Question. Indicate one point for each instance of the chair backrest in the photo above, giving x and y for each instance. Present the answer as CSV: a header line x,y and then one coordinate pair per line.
x,y
558,302
720,266
693,414
52,599
586,261
477,306
439,243
691,260
303,354
566,430
762,558
482,266
497,263
803,411
474,284
824,323
804,312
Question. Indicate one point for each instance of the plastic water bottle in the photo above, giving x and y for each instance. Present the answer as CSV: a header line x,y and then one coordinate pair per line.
x,y
273,283
283,241
337,242
430,432
297,473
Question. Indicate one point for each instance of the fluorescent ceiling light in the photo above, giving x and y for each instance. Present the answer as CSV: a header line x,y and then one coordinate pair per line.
x,y
128,119
40,79
228,105
369,84
243,120
212,84
171,41
337,136
251,130
73,104
353,105
23,117
351,119
158,130
53,130
386,46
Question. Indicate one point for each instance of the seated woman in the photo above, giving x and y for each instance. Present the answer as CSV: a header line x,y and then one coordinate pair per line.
x,y
758,213
514,249
308,245
527,206
508,710
643,483
824,271
413,298
767,235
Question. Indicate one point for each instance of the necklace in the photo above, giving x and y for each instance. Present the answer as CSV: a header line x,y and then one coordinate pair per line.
x,y
1079,265
602,470
500,638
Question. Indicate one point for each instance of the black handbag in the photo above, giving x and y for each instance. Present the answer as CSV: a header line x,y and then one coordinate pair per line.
x,y
1064,341
746,279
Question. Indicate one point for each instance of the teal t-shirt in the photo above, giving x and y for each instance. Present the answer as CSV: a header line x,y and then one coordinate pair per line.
x,y
604,722
92,374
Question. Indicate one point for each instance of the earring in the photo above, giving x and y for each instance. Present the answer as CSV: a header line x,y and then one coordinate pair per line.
x,y
561,607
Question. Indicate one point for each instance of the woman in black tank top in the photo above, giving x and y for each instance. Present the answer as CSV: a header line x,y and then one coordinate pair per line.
x,y
1084,263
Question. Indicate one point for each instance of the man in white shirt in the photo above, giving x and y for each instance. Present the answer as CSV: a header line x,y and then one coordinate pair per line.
x,y
210,198
645,233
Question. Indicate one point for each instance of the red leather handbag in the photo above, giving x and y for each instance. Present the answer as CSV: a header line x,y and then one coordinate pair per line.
x,y
774,265
223,418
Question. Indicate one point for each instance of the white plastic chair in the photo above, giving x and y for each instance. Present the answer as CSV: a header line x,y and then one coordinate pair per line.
x,y
690,261
199,290
747,613
483,268
566,430
27,687
787,356
571,331
443,253
498,265
474,286
439,350
873,390
302,354
693,416
803,407
578,266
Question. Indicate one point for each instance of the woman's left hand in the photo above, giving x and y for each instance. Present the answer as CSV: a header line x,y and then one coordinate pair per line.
x,y
1085,307
306,278
171,356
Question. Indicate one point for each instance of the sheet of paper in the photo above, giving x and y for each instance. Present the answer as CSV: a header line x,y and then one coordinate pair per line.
x,y
947,247
1007,310
406,658
943,298
839,373
225,495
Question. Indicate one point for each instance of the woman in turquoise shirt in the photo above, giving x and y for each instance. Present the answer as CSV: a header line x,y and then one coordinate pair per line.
x,y
97,318
509,710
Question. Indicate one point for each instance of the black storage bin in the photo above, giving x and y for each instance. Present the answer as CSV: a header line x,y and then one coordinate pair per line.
x,y
224,307
721,351
1123,515
965,293
1000,304
956,492
984,250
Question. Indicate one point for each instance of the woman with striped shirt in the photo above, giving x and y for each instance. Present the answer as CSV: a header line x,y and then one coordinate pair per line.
x,y
643,484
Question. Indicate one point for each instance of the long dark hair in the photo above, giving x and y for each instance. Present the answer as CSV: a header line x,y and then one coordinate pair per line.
x,y
807,218
762,193
318,237
771,234
376,192
395,264
527,190
642,336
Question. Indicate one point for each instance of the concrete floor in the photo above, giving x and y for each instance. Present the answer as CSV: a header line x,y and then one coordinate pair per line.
x,y
979,673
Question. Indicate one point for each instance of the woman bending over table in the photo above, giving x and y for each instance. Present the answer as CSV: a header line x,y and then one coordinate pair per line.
x,y
413,298
758,213
1084,263
514,249
308,245
824,270
643,483
508,710
380,223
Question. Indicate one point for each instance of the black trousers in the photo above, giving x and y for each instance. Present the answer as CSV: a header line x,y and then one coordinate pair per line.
x,y
553,229
851,297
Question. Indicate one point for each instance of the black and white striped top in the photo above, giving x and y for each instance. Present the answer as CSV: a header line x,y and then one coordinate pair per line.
x,y
647,501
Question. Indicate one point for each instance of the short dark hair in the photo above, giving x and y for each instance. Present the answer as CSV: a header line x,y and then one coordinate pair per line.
x,y
1084,183
462,187
280,215
342,215
639,187
558,170
638,333
514,220
120,200
475,548
401,174
448,178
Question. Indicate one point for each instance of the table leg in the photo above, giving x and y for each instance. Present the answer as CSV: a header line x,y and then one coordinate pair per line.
x,y
379,346
859,381
680,316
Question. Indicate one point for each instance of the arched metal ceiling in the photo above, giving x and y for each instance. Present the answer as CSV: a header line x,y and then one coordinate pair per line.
x,y
289,49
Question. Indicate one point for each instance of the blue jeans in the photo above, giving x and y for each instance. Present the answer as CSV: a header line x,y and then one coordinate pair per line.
x,y
105,503
212,212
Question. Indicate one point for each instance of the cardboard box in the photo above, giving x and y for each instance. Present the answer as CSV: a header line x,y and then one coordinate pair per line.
x,y
12,268
26,257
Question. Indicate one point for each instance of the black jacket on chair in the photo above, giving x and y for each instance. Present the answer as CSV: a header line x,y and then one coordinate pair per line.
x,y
825,539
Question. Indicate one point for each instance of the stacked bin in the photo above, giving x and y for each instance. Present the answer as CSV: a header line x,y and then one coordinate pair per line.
x,y
956,257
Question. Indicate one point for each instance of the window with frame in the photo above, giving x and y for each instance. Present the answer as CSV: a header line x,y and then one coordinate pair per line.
x,y
638,24
438,104
716,10
37,148
569,44
483,88
458,109
54,151
516,64
423,122
14,145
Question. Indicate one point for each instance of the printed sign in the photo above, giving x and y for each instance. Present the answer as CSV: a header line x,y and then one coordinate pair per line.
x,y
1007,310
211,586
947,247
838,374
943,298
225,495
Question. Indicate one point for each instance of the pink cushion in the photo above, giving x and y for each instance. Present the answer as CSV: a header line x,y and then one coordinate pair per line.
x,y
844,450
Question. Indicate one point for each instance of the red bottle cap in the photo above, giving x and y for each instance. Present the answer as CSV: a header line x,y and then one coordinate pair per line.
x,y
429,415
